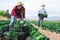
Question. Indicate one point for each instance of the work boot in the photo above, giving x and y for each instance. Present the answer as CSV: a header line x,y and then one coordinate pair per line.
x,y
10,28
25,24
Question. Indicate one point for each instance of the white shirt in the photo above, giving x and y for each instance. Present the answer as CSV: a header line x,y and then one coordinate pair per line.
x,y
42,11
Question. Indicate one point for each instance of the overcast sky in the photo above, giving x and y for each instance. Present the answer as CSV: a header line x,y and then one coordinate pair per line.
x,y
32,6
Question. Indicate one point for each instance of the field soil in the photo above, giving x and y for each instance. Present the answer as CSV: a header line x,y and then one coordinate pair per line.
x,y
51,35
3,18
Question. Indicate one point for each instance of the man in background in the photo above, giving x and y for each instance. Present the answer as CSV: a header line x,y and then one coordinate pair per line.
x,y
41,18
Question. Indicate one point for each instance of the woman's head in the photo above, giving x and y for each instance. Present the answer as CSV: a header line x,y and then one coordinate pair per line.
x,y
19,5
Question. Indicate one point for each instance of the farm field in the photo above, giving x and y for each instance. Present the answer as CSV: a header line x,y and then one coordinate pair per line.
x,y
51,29
5,23
49,25
51,35
33,32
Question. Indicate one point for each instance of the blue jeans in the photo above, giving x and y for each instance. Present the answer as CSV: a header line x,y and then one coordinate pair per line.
x,y
12,21
40,23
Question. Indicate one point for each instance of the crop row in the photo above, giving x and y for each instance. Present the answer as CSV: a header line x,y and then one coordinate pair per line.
x,y
52,26
33,32
35,35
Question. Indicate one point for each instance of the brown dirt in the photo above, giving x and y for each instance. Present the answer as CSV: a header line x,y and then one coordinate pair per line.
x,y
3,18
51,35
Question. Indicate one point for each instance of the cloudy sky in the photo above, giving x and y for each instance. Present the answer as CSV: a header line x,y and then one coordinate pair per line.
x,y
32,7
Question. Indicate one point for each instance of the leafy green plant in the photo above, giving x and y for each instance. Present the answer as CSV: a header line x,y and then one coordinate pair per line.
x,y
2,13
5,14
52,26
34,34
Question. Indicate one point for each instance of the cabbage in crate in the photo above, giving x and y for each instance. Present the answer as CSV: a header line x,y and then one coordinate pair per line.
x,y
21,21
42,15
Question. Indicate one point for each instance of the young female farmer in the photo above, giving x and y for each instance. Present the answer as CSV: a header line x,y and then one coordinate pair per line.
x,y
18,13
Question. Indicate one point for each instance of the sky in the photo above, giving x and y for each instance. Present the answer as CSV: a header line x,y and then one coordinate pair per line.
x,y
32,7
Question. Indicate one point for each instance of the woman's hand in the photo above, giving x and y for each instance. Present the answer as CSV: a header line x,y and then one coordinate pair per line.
x,y
17,19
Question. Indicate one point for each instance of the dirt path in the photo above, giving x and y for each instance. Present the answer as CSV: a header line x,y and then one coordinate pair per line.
x,y
52,36
3,18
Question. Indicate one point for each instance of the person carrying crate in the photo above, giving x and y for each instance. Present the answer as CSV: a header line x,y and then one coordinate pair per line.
x,y
41,14
18,13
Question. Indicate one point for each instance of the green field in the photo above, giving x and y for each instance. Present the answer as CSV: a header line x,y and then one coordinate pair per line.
x,y
49,25
33,32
